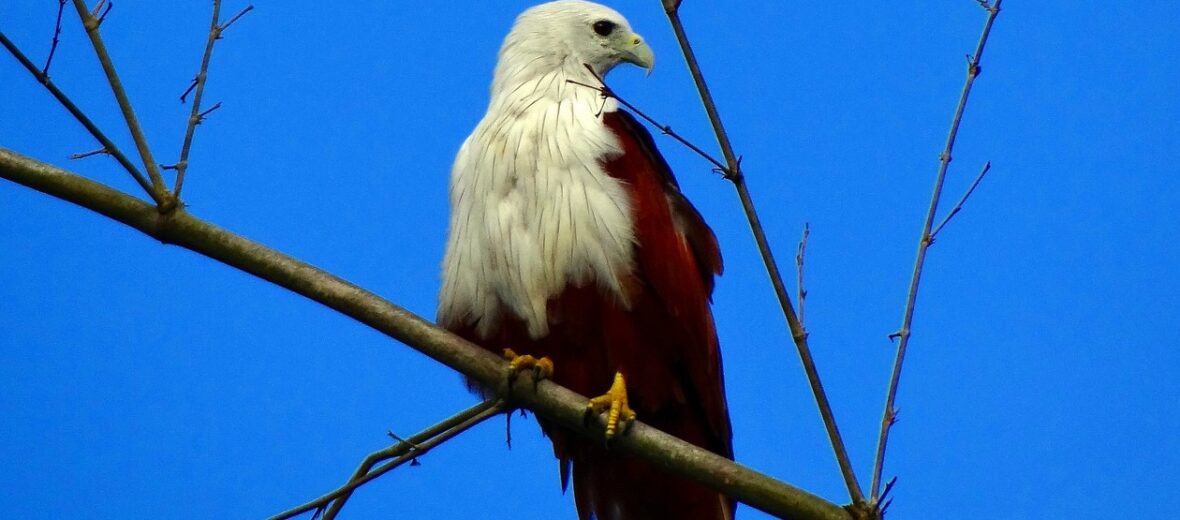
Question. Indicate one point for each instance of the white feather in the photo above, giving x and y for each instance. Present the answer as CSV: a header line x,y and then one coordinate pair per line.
x,y
532,209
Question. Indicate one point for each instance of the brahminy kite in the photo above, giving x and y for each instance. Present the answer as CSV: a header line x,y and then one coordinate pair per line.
x,y
572,245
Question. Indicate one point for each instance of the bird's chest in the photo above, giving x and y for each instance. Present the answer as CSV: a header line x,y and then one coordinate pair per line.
x,y
555,216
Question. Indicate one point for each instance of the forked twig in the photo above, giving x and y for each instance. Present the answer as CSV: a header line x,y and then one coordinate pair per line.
x,y
158,190
198,88
73,109
798,333
889,416
404,451
884,500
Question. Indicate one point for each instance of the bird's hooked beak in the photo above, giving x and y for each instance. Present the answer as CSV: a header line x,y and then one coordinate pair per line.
x,y
635,50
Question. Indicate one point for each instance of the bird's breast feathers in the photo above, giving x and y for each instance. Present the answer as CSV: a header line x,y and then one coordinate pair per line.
x,y
533,210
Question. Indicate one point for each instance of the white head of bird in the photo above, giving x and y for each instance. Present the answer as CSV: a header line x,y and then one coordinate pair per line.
x,y
568,35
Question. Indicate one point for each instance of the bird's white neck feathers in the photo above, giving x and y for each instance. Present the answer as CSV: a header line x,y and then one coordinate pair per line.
x,y
548,47
532,210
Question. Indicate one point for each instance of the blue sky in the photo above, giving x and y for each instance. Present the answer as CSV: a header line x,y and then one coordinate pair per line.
x,y
145,381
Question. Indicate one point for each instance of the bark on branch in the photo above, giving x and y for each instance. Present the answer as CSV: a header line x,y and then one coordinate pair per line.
x,y
546,398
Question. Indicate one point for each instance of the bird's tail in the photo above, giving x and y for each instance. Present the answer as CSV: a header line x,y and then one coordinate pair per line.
x,y
614,486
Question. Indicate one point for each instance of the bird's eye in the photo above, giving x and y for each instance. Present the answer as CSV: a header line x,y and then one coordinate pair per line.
x,y
604,27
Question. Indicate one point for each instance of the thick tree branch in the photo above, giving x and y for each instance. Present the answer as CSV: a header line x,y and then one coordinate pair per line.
x,y
889,416
555,403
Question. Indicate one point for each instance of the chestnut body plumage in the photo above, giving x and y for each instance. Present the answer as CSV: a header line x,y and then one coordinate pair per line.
x,y
569,238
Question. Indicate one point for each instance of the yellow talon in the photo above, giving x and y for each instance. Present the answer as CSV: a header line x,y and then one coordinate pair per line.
x,y
542,367
614,401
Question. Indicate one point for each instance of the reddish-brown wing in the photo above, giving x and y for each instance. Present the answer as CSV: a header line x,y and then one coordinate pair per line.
x,y
662,338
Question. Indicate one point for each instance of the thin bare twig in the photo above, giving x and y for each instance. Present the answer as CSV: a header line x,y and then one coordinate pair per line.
x,y
198,88
798,332
235,17
73,109
83,155
399,438
201,116
402,452
800,253
411,449
607,92
158,190
959,206
191,85
61,7
889,416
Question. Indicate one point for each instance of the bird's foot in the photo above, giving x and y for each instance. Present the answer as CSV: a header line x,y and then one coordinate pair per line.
x,y
614,402
541,368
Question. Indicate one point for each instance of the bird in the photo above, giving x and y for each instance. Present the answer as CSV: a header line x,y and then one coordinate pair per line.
x,y
572,251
